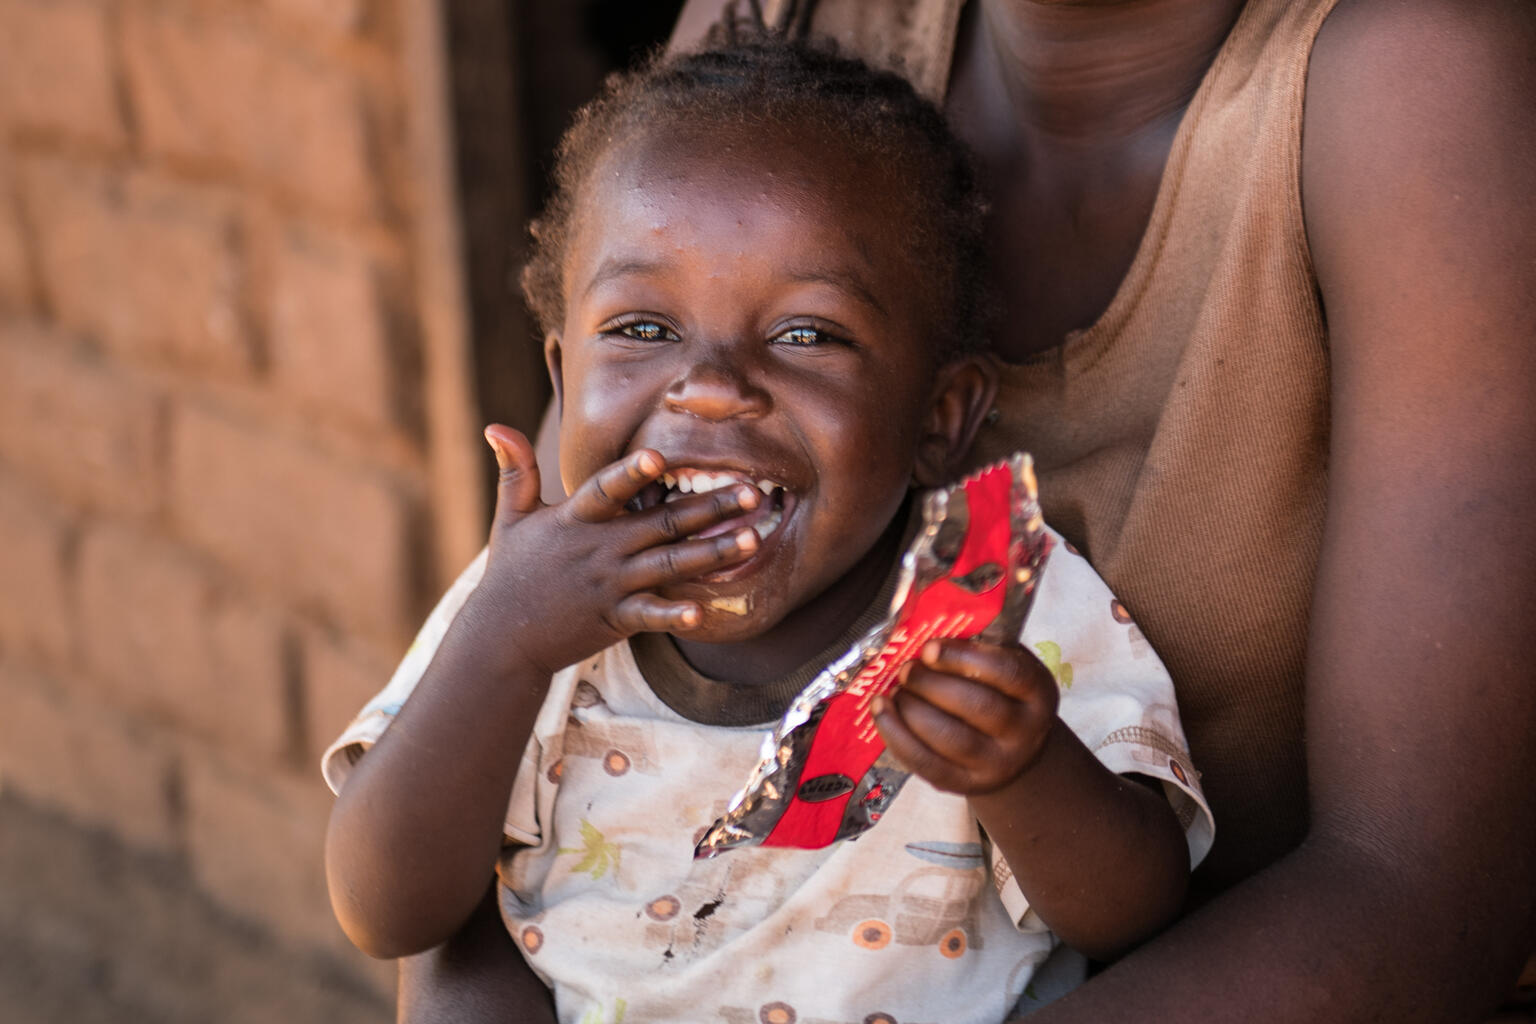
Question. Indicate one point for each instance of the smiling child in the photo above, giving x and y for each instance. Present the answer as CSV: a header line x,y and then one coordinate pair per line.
x,y
757,279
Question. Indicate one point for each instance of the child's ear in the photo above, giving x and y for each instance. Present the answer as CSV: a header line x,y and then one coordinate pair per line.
x,y
552,362
964,393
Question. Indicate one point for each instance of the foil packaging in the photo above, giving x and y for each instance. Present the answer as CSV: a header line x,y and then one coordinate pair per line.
x,y
971,571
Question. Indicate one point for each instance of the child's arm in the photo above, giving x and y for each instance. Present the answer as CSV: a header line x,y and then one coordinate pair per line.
x,y
416,831
1101,859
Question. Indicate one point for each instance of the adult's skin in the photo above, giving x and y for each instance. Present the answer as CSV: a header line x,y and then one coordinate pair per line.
x,y
1413,895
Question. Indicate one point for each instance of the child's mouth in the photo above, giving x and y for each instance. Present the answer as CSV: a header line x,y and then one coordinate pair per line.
x,y
680,483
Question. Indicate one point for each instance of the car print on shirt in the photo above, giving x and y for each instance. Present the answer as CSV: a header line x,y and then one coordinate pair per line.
x,y
783,1013
934,906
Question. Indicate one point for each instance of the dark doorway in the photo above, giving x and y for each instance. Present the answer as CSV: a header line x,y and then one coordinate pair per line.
x,y
519,69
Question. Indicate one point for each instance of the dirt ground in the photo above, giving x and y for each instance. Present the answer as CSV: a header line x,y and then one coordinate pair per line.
x,y
91,932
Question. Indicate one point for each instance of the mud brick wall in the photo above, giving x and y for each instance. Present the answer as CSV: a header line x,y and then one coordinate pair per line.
x,y
237,454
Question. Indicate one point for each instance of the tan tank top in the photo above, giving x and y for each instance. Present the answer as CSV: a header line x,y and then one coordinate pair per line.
x,y
1182,439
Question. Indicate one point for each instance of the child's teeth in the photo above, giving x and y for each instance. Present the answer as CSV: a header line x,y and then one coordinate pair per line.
x,y
703,483
763,527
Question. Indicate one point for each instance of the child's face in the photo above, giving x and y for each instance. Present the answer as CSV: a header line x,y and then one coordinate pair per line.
x,y
748,311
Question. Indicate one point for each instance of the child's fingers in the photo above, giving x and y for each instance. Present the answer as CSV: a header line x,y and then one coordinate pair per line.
x,y
1009,669
910,750
685,517
673,563
604,496
517,480
977,705
647,613
952,739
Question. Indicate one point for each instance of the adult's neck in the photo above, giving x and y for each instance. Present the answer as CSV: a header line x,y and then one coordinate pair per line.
x,y
1094,72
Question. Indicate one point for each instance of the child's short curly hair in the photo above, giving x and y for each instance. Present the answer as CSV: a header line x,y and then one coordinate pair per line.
x,y
758,78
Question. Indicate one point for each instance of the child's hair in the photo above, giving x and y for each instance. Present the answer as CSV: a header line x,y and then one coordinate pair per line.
x,y
753,77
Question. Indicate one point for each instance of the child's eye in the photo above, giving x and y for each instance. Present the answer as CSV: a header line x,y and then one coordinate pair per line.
x,y
643,330
806,337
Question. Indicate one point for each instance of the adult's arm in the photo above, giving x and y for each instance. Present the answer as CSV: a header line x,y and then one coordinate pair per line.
x,y
478,975
1411,898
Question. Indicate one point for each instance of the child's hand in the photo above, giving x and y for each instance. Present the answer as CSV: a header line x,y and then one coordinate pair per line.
x,y
969,717
564,581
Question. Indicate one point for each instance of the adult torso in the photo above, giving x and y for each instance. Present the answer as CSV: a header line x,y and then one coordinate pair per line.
x,y
1181,433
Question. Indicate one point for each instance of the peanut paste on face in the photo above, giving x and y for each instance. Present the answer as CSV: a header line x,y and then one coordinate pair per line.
x,y
734,605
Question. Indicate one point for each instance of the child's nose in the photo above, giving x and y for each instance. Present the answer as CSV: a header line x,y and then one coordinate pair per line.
x,y
716,389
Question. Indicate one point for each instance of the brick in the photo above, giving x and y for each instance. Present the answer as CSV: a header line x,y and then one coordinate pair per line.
x,y
339,678
221,91
71,421
257,843
333,535
329,337
171,641
77,755
58,70
150,268
36,610
15,277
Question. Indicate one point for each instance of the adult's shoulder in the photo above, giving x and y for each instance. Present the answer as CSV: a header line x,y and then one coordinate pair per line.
x,y
1424,70
1367,38
1428,87
1419,127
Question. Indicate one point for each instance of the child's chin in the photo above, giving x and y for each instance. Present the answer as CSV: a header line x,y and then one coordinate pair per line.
x,y
728,618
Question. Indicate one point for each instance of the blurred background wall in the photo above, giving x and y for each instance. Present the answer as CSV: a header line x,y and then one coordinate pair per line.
x,y
257,297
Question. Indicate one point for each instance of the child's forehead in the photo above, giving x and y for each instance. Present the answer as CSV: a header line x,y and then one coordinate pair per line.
x,y
801,164
797,205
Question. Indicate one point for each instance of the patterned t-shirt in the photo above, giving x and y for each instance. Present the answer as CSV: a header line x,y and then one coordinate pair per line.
x,y
916,920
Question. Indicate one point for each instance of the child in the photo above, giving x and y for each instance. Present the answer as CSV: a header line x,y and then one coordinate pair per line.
x,y
758,280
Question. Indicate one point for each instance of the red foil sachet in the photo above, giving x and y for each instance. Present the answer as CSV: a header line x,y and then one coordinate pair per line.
x,y
971,571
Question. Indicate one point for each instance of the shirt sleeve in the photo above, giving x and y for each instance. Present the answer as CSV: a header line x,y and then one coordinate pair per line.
x,y
337,761
529,804
1115,695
